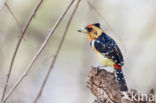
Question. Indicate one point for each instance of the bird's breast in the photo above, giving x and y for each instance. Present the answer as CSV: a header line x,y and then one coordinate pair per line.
x,y
102,58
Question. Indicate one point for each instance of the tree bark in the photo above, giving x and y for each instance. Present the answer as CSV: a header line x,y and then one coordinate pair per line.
x,y
104,86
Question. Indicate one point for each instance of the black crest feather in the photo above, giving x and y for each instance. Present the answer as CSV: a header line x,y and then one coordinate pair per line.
x,y
97,25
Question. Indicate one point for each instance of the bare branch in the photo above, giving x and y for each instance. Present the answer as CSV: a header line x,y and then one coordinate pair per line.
x,y
17,22
2,3
38,52
57,53
18,44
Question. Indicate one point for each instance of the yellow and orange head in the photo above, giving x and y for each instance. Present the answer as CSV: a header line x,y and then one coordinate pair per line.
x,y
92,31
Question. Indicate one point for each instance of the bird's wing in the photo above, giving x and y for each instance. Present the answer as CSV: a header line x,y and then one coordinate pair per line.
x,y
110,50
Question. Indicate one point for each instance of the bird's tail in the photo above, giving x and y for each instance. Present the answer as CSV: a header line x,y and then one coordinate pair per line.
x,y
120,78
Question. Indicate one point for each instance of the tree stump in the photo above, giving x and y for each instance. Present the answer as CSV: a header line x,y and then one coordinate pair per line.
x,y
105,87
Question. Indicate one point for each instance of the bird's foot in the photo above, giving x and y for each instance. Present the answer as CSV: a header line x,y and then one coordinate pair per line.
x,y
107,68
102,67
99,68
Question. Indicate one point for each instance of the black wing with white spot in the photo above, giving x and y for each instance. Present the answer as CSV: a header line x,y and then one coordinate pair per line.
x,y
109,49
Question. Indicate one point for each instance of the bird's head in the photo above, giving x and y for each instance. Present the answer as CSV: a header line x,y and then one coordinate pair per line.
x,y
92,31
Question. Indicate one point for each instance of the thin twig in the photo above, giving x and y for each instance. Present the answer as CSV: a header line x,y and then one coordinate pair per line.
x,y
17,22
57,53
17,46
103,19
2,4
38,52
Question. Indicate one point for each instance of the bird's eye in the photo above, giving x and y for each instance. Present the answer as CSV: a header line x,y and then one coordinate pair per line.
x,y
89,29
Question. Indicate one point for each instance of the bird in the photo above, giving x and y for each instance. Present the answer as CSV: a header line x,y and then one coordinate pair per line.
x,y
106,50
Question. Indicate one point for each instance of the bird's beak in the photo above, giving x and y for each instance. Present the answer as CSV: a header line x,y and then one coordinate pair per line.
x,y
82,30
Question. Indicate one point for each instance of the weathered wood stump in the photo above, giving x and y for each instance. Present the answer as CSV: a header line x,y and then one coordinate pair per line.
x,y
104,86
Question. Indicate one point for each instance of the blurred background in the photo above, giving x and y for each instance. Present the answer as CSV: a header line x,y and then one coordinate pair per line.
x,y
132,25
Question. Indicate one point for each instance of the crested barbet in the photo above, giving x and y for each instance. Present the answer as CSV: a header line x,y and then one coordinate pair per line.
x,y
107,51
